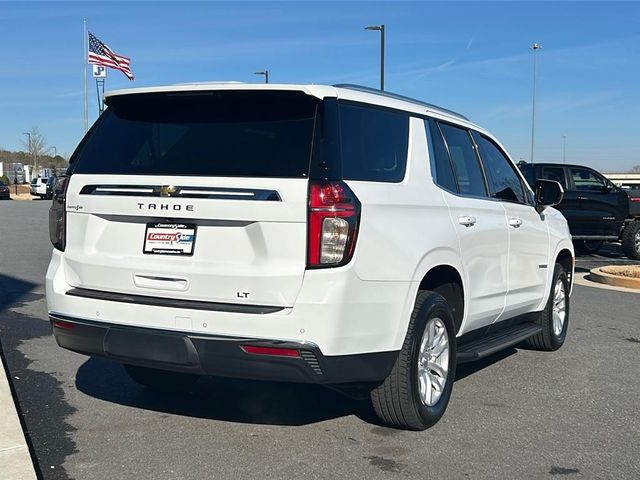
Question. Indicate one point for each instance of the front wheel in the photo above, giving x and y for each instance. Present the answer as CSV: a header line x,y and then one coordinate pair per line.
x,y
416,393
554,319
631,240
161,380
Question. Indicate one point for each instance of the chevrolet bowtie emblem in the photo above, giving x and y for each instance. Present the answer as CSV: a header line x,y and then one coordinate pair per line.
x,y
167,190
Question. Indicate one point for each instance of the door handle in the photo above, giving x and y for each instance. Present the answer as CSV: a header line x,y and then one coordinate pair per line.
x,y
515,222
467,220
583,198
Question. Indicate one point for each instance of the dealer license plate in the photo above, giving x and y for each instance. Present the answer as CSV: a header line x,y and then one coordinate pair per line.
x,y
170,238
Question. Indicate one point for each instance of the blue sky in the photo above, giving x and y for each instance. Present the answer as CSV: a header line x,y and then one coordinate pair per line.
x,y
468,56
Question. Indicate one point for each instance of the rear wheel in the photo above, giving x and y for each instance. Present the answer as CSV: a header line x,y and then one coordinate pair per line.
x,y
631,240
161,380
415,394
554,319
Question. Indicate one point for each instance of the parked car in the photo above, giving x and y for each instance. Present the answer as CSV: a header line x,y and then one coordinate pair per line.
x,y
4,191
51,182
596,209
39,187
334,235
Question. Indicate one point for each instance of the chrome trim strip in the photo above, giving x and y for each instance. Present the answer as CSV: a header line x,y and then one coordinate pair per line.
x,y
221,193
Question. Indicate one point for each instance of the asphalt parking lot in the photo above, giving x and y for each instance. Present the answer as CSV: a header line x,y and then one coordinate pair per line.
x,y
573,413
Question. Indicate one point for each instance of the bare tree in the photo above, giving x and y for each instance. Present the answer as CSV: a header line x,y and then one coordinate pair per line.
x,y
35,144
635,169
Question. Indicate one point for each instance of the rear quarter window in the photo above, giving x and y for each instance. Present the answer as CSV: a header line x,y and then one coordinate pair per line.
x,y
374,143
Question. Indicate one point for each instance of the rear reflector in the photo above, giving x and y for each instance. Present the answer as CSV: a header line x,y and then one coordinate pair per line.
x,y
274,352
63,325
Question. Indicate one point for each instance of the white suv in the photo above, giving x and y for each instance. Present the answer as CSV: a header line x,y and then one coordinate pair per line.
x,y
39,187
304,233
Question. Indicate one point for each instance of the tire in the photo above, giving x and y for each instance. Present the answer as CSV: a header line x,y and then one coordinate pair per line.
x,y
161,380
554,319
400,402
588,247
631,240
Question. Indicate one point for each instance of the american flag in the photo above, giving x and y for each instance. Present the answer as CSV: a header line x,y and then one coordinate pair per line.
x,y
100,54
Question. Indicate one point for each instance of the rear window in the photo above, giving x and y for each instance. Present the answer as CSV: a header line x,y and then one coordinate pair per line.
x,y
221,133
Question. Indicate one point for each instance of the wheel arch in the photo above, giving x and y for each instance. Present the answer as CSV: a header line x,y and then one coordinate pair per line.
x,y
566,259
447,281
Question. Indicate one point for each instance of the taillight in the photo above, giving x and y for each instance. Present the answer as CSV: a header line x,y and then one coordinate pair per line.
x,y
58,214
334,216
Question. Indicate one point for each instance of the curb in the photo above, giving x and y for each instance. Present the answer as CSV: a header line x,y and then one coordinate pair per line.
x,y
597,275
583,279
15,457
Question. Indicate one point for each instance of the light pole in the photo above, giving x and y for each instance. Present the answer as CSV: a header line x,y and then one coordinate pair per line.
x,y
564,149
380,28
535,47
35,157
265,73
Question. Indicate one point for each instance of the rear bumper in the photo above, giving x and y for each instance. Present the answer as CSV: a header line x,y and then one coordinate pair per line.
x,y
216,355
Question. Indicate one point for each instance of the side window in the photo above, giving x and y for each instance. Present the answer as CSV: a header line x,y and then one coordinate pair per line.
x,y
465,161
504,183
529,173
554,173
440,163
374,143
584,179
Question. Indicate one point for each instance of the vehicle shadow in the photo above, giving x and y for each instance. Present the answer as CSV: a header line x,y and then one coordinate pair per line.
x,y
240,401
13,291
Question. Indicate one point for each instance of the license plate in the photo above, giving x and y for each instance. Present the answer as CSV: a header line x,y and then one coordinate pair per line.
x,y
170,238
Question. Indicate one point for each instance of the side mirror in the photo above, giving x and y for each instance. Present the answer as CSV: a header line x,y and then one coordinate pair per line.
x,y
607,189
548,194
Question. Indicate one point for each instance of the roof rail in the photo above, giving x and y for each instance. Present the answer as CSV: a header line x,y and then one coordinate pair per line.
x,y
217,82
375,91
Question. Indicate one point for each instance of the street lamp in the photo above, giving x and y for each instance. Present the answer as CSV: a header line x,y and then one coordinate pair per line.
x,y
265,73
535,47
35,157
55,151
380,28
564,149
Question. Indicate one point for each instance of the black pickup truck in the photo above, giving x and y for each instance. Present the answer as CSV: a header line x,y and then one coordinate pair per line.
x,y
596,209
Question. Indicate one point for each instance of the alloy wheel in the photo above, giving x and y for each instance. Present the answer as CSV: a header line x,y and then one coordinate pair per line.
x,y
433,362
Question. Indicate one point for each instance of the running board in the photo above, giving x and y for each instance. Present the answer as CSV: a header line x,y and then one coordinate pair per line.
x,y
494,342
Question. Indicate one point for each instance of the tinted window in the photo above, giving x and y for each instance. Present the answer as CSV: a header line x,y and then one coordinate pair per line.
x,y
554,173
440,162
504,183
222,133
374,143
529,173
465,160
584,179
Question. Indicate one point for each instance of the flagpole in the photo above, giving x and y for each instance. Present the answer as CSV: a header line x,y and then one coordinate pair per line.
x,y
84,62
